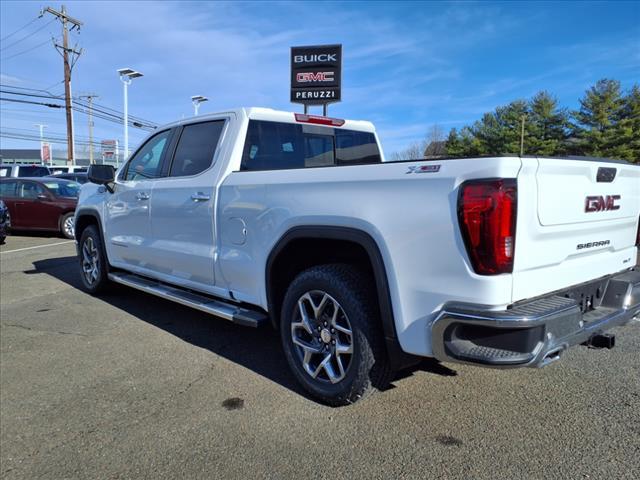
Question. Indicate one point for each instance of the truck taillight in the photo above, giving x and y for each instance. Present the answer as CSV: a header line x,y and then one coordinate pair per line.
x,y
487,217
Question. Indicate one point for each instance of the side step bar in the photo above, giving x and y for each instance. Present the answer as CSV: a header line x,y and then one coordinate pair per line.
x,y
204,303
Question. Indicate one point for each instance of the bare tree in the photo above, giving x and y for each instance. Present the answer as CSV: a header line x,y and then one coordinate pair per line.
x,y
415,151
435,134
432,144
436,145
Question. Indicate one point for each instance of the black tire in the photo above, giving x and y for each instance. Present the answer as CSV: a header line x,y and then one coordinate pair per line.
x,y
368,366
91,248
64,228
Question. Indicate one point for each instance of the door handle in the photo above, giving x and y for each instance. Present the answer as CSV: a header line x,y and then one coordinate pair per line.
x,y
142,196
200,197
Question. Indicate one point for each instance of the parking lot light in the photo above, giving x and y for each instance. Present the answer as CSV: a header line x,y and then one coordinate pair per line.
x,y
126,76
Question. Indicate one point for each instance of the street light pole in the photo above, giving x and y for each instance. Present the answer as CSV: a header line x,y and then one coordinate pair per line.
x,y
196,100
126,83
42,127
126,75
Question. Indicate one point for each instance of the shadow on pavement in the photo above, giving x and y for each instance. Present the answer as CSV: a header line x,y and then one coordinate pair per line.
x,y
256,349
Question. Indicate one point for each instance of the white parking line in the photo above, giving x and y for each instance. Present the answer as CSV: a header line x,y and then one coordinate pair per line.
x,y
37,246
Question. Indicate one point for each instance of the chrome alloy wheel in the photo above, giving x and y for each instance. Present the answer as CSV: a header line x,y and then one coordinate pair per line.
x,y
322,336
68,227
90,261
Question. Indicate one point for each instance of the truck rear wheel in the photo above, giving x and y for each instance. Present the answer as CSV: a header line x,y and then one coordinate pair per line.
x,y
331,334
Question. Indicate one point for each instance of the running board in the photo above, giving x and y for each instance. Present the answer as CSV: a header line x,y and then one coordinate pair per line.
x,y
219,308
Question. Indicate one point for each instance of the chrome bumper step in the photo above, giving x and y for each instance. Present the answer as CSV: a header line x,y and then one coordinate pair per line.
x,y
204,303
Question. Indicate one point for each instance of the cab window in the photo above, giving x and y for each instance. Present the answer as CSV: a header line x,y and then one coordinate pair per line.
x,y
146,163
196,148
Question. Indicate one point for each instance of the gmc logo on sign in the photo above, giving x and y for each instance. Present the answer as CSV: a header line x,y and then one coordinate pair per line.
x,y
305,77
600,203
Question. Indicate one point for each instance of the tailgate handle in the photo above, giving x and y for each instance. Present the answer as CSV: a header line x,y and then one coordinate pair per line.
x,y
606,174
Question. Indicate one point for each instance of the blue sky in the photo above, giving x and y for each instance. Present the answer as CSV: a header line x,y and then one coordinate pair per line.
x,y
407,65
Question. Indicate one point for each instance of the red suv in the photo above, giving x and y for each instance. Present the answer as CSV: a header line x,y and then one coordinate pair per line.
x,y
40,203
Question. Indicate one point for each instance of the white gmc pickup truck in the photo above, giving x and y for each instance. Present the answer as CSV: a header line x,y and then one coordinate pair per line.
x,y
364,266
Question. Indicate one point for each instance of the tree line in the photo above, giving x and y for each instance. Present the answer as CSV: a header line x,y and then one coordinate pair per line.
x,y
607,124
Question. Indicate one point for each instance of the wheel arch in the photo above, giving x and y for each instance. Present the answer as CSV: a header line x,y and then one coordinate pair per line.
x,y
84,218
360,244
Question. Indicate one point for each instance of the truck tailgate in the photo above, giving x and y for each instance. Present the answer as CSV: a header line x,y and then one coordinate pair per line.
x,y
577,221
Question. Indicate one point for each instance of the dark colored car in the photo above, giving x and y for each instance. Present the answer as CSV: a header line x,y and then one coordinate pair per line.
x,y
80,177
5,221
41,203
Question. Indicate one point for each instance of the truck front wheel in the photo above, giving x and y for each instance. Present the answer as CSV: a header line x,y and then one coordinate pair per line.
x,y
331,334
93,264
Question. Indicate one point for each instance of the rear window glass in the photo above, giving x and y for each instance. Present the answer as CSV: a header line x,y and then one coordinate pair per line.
x,y
4,172
356,148
196,148
29,171
276,146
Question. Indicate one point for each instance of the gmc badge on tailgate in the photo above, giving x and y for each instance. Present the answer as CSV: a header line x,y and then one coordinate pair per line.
x,y
598,203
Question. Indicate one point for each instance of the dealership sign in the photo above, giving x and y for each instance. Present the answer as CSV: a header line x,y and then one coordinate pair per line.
x,y
316,74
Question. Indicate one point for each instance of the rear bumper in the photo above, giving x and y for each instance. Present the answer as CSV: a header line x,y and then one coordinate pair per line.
x,y
534,333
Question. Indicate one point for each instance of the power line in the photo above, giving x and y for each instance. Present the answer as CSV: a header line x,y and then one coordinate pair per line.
x,y
82,107
18,131
28,36
21,28
27,50
79,100
51,105
36,138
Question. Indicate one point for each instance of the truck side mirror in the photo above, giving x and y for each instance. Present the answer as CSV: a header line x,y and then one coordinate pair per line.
x,y
102,175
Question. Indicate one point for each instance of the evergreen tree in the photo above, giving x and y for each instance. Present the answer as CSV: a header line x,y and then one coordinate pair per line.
x,y
498,133
453,144
548,126
627,129
600,110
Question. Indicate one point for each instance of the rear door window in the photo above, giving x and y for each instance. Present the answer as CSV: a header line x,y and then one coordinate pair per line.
x,y
196,148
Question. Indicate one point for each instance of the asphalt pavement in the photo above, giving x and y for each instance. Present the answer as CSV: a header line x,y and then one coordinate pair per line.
x,y
131,386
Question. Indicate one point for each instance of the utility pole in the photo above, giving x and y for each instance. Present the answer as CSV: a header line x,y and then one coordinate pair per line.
x,y
90,98
66,20
523,118
41,127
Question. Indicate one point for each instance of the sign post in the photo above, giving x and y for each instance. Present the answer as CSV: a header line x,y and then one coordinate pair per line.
x,y
316,75
45,153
